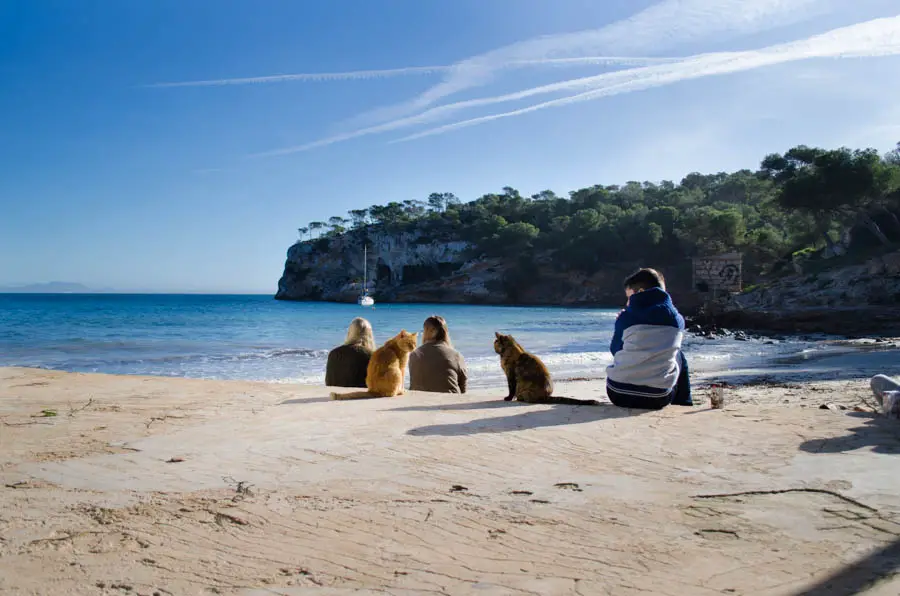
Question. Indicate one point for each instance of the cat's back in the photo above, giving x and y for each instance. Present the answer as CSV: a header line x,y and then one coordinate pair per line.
x,y
530,365
382,359
533,377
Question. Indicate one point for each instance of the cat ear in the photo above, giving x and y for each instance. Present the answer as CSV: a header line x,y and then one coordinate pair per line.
x,y
497,333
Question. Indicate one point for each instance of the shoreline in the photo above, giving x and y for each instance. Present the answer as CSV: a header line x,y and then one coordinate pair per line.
x,y
865,322
112,484
856,322
868,357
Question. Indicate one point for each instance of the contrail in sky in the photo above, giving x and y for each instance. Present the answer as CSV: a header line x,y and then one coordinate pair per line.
x,y
411,70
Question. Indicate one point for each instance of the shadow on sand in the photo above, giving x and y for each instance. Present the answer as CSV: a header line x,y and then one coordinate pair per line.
x,y
557,415
305,400
492,404
857,577
880,433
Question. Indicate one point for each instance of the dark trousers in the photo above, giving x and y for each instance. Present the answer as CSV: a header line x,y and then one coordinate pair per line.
x,y
679,396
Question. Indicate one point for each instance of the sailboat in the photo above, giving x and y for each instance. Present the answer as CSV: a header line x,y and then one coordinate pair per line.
x,y
364,298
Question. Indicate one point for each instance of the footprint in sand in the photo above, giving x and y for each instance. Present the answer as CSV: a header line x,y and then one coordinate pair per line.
x,y
718,534
573,486
837,485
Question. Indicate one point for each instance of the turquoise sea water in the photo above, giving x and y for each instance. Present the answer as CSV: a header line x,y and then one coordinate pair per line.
x,y
258,338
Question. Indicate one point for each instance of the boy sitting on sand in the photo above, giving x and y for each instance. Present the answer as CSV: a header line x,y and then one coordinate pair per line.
x,y
649,370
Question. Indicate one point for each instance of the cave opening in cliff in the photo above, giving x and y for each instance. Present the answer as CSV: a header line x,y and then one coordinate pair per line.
x,y
383,273
429,272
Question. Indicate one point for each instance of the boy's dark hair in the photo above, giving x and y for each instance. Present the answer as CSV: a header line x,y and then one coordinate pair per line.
x,y
644,279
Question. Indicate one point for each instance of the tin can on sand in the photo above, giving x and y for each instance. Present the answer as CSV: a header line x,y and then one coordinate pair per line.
x,y
717,397
890,406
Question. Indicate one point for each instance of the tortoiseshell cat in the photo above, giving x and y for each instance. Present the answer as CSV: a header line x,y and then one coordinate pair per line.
x,y
529,380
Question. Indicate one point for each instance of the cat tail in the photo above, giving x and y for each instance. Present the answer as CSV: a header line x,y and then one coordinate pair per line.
x,y
353,395
572,401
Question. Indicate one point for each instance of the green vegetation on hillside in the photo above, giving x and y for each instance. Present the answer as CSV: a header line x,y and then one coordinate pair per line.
x,y
800,201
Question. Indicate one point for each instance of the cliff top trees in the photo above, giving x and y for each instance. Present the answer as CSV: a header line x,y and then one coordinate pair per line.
x,y
359,217
337,224
315,226
792,200
892,157
831,184
439,201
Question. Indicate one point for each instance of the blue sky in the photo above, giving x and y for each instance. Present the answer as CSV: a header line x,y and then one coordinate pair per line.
x,y
113,178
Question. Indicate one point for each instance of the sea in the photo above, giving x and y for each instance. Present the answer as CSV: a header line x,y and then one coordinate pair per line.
x,y
252,337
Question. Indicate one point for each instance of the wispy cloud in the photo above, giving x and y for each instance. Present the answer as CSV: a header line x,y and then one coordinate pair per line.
x,y
873,38
310,77
660,27
411,70
439,112
879,37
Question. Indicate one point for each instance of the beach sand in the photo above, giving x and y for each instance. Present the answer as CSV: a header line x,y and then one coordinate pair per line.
x,y
142,485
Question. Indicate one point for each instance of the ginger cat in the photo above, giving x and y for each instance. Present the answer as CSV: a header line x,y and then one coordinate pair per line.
x,y
387,368
528,379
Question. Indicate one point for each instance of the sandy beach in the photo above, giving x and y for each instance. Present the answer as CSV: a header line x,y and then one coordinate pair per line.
x,y
147,485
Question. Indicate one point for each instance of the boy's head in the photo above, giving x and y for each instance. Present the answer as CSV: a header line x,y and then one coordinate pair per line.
x,y
644,279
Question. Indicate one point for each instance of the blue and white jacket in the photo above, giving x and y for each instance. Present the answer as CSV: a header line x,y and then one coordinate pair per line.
x,y
646,345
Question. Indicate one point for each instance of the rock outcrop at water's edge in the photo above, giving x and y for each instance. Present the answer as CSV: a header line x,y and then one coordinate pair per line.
x,y
860,299
408,267
331,269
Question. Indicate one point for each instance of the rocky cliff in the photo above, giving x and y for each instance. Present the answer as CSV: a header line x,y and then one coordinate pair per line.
x,y
862,299
332,268
408,267
855,299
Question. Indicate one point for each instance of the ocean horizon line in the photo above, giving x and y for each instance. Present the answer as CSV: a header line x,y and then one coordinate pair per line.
x,y
572,306
10,292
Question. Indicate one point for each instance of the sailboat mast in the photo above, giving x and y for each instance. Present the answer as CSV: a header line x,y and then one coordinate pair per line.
x,y
364,298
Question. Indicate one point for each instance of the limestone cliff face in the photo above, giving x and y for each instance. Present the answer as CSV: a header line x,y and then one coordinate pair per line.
x,y
332,269
860,299
408,267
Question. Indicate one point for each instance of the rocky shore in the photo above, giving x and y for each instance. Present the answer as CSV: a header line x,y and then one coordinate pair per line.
x,y
855,300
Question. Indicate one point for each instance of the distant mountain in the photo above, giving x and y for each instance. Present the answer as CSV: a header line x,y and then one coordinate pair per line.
x,y
52,287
